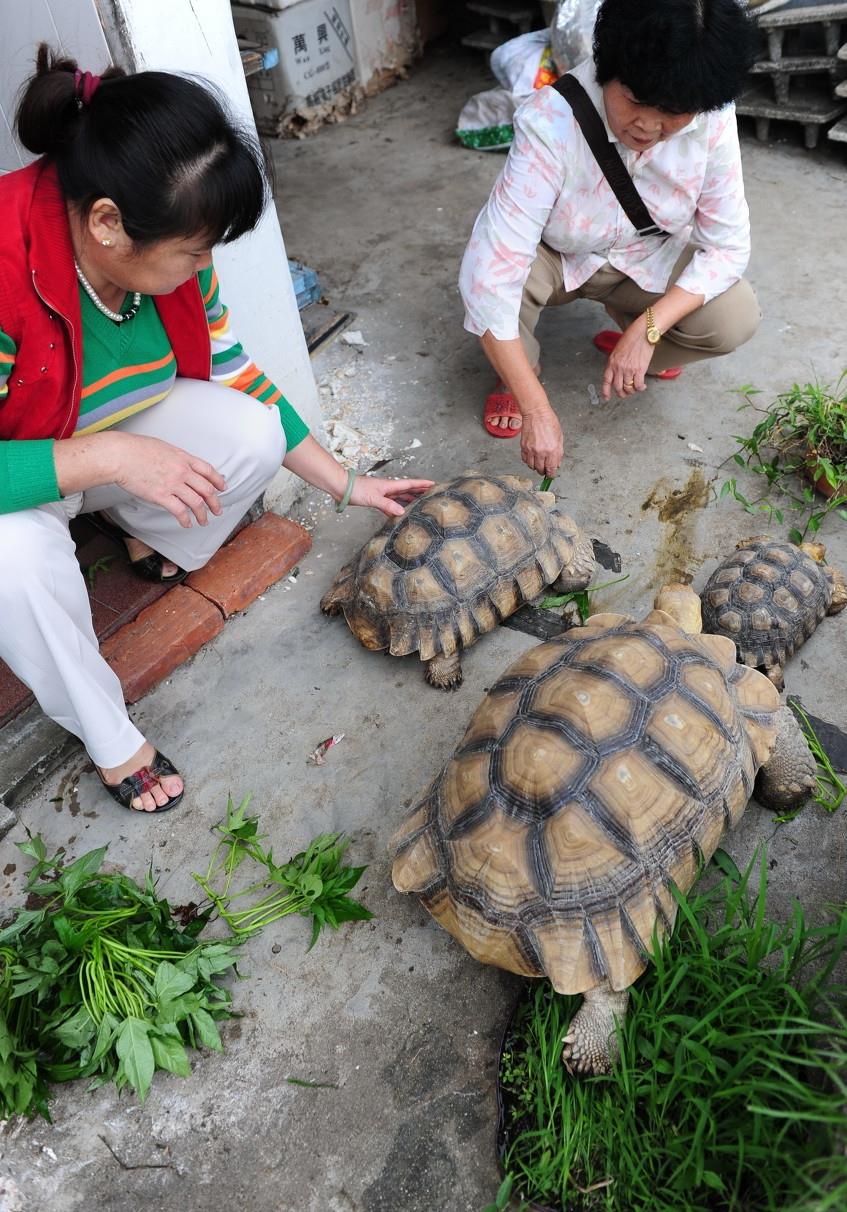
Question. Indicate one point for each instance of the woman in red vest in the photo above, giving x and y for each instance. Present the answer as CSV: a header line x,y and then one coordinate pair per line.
x,y
117,365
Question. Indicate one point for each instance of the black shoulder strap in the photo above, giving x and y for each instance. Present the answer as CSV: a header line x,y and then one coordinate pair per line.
x,y
607,155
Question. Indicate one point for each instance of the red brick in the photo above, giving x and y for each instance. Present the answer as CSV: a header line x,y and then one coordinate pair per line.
x,y
164,635
257,557
14,696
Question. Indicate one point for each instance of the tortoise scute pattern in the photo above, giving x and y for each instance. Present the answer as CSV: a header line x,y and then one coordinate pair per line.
x,y
464,556
600,769
768,597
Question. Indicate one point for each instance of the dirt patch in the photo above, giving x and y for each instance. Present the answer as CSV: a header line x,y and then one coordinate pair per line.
x,y
677,557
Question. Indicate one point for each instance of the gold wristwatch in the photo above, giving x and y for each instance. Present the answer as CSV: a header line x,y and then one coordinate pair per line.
x,y
653,334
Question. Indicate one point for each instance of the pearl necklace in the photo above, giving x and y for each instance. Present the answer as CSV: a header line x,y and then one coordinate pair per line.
x,y
118,317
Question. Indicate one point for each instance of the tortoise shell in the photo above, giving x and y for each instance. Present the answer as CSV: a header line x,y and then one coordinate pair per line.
x,y
768,598
465,555
602,767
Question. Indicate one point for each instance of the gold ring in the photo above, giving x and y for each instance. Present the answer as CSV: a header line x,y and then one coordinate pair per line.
x,y
629,382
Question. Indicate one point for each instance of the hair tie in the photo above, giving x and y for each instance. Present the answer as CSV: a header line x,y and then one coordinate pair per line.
x,y
85,86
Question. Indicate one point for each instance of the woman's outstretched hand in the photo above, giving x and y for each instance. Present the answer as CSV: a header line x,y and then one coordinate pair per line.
x,y
389,496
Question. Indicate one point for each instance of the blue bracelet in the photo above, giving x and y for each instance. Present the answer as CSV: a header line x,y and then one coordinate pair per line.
x,y
345,500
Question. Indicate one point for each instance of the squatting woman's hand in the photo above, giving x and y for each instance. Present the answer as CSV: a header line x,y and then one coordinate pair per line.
x,y
165,475
542,441
628,362
389,496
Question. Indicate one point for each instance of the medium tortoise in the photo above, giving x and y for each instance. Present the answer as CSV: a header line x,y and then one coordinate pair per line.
x,y
463,557
768,598
600,768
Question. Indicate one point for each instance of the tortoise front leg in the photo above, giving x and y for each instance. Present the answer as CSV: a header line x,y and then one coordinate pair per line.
x,y
591,1042
789,776
444,672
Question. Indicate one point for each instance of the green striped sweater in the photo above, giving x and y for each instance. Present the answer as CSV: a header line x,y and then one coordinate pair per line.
x,y
126,368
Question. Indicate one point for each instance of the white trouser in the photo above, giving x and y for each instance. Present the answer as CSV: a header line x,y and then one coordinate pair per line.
x,y
46,635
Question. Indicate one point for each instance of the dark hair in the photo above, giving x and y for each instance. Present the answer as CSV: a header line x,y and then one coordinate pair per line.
x,y
162,147
683,56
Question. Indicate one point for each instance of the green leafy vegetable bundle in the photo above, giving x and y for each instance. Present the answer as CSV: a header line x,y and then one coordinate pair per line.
x,y
100,981
315,883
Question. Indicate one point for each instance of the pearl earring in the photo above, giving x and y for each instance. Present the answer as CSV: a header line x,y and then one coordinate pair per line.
x,y
106,243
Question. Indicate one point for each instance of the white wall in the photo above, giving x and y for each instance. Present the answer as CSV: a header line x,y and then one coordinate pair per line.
x,y
69,25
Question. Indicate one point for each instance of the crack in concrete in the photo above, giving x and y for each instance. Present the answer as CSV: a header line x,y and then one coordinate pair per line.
x,y
141,1165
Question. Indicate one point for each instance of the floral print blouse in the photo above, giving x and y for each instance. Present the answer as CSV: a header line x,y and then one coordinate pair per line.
x,y
551,189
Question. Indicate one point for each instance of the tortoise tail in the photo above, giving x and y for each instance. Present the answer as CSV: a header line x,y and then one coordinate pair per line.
x,y
340,592
839,589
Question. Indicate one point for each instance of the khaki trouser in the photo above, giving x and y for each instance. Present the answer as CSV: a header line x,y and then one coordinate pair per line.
x,y
718,327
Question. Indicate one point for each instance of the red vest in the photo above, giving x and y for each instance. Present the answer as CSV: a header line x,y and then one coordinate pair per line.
x,y
39,310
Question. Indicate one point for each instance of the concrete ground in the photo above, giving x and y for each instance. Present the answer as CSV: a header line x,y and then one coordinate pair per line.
x,y
393,1013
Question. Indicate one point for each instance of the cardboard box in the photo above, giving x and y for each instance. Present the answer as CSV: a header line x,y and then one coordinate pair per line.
x,y
316,66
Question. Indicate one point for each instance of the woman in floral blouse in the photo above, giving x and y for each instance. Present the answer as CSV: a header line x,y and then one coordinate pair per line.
x,y
663,79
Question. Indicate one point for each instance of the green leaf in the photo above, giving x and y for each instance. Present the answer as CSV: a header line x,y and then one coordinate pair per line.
x,y
28,983
169,1053
311,885
170,983
77,1030
215,959
25,919
74,876
207,1031
106,1033
34,848
7,1044
726,864
180,1008
71,937
136,1055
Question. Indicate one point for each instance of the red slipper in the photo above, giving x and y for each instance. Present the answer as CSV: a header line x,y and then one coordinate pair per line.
x,y
606,341
500,403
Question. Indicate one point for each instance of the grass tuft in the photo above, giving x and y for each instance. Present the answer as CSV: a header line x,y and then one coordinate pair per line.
x,y
731,1086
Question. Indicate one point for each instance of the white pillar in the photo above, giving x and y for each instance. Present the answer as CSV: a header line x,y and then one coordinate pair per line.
x,y
198,38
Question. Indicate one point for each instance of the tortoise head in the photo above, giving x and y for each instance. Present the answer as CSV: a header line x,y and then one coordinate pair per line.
x,y
817,552
682,604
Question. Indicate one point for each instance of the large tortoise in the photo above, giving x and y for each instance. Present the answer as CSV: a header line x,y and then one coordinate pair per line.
x,y
768,597
602,767
463,557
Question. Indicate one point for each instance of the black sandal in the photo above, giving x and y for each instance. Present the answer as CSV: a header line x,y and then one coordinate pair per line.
x,y
143,780
148,567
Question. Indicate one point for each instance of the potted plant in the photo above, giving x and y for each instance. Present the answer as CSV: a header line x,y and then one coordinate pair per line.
x,y
801,436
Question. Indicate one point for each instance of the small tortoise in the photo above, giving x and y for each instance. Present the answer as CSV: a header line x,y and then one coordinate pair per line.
x,y
463,557
768,598
600,768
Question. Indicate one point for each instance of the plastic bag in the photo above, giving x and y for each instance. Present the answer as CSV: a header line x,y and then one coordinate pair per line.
x,y
516,62
520,65
571,32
